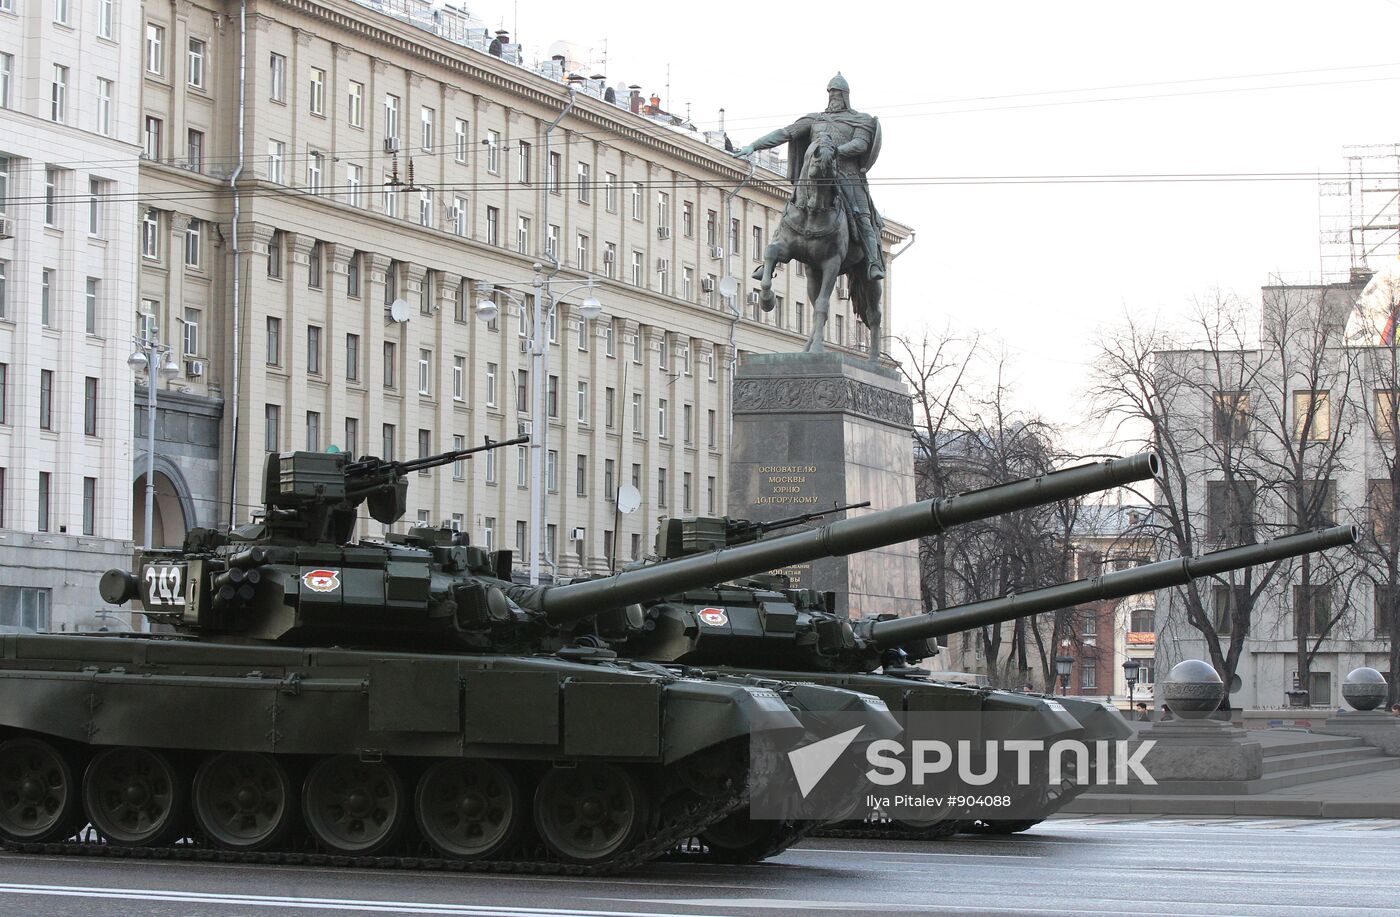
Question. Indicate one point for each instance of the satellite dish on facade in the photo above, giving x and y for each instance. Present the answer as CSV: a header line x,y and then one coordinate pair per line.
x,y
628,499
728,286
398,311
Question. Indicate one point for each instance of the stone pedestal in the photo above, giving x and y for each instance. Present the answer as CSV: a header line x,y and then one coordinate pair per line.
x,y
1377,729
1202,751
815,429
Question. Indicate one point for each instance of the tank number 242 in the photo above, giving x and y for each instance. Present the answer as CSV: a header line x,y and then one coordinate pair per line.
x,y
165,584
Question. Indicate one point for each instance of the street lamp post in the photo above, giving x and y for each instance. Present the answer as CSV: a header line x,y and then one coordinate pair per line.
x,y
1130,675
1063,666
147,358
540,315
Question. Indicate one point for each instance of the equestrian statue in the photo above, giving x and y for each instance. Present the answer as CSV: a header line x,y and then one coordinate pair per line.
x,y
829,224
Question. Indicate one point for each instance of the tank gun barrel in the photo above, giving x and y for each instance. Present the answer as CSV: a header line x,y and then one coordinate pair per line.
x,y
1146,578
562,604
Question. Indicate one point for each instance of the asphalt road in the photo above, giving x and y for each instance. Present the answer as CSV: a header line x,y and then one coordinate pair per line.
x,y
1078,866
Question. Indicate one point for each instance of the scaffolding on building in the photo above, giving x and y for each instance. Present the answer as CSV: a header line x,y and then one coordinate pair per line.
x,y
1359,215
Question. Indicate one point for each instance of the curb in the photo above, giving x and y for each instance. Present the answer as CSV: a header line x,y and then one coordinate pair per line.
x,y
1123,804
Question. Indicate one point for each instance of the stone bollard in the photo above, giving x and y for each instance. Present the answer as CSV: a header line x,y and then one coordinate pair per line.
x,y
1364,690
1193,747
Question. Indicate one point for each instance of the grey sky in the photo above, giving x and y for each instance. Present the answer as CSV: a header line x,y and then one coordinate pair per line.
x,y
966,89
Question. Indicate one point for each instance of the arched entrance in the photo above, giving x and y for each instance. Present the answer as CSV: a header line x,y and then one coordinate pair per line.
x,y
168,520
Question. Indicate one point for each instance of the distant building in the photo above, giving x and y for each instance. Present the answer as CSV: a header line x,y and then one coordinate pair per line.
x,y
69,128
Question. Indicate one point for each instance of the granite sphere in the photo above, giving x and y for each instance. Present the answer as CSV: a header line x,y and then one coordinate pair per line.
x,y
1193,689
1364,688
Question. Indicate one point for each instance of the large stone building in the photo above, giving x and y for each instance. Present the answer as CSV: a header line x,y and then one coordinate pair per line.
x,y
1303,421
303,173
69,103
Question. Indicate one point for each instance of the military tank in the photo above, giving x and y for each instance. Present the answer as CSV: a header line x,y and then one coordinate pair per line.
x,y
761,627
402,697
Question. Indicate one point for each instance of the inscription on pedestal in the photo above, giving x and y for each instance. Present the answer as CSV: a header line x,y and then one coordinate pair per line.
x,y
786,485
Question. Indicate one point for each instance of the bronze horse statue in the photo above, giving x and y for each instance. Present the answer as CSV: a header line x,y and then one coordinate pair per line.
x,y
817,231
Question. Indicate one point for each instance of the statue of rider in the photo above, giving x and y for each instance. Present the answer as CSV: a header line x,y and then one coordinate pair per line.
x,y
857,138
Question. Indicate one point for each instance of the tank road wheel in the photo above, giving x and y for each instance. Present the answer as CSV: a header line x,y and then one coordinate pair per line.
x,y
469,809
242,800
588,813
134,797
354,806
740,840
38,794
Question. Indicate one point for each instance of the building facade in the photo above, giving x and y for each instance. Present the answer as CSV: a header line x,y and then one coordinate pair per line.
x,y
69,102
385,155
1304,421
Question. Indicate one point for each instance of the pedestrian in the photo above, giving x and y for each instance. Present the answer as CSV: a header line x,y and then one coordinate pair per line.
x,y
1142,715
1166,714
1395,709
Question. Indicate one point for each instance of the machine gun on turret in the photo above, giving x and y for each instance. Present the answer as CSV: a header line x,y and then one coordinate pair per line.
x,y
696,534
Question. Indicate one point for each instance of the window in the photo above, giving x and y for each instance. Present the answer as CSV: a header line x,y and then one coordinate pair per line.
x,y
425,371
661,487
688,284
89,406
1385,607
427,119
150,235
1320,689
58,96
610,192
104,104
272,426
1312,505
661,418
637,412
1312,416
1140,621
663,210
637,272
459,215
313,431
585,334
1232,416
60,12
50,196
522,476
710,425
352,276
636,546
1088,674
391,117
757,252
1224,601
1312,610
1380,504
391,197
521,529
90,300
352,437
24,608
551,246
1230,511
636,200
194,150
710,495
191,332
581,475
583,178
89,506
313,350
104,17
277,78
493,226
154,128
195,68
459,138
553,167
425,447
274,255
44,494
386,441
841,330
710,366
274,341
637,476
425,208
522,235
688,219
609,408
583,403
1387,408
734,237
637,346
315,166
46,295
461,307
610,260
355,104
459,378
155,49
551,471
491,385
711,229
391,359
609,479
7,69
609,339
551,398
688,417
522,169
276,154
493,152
459,472
1089,625
4,397
194,243
581,252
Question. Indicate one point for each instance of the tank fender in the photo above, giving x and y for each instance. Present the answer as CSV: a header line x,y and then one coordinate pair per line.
x,y
1025,717
701,714
1099,721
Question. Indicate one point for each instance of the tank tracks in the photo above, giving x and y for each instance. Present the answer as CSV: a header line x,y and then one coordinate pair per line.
x,y
685,822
